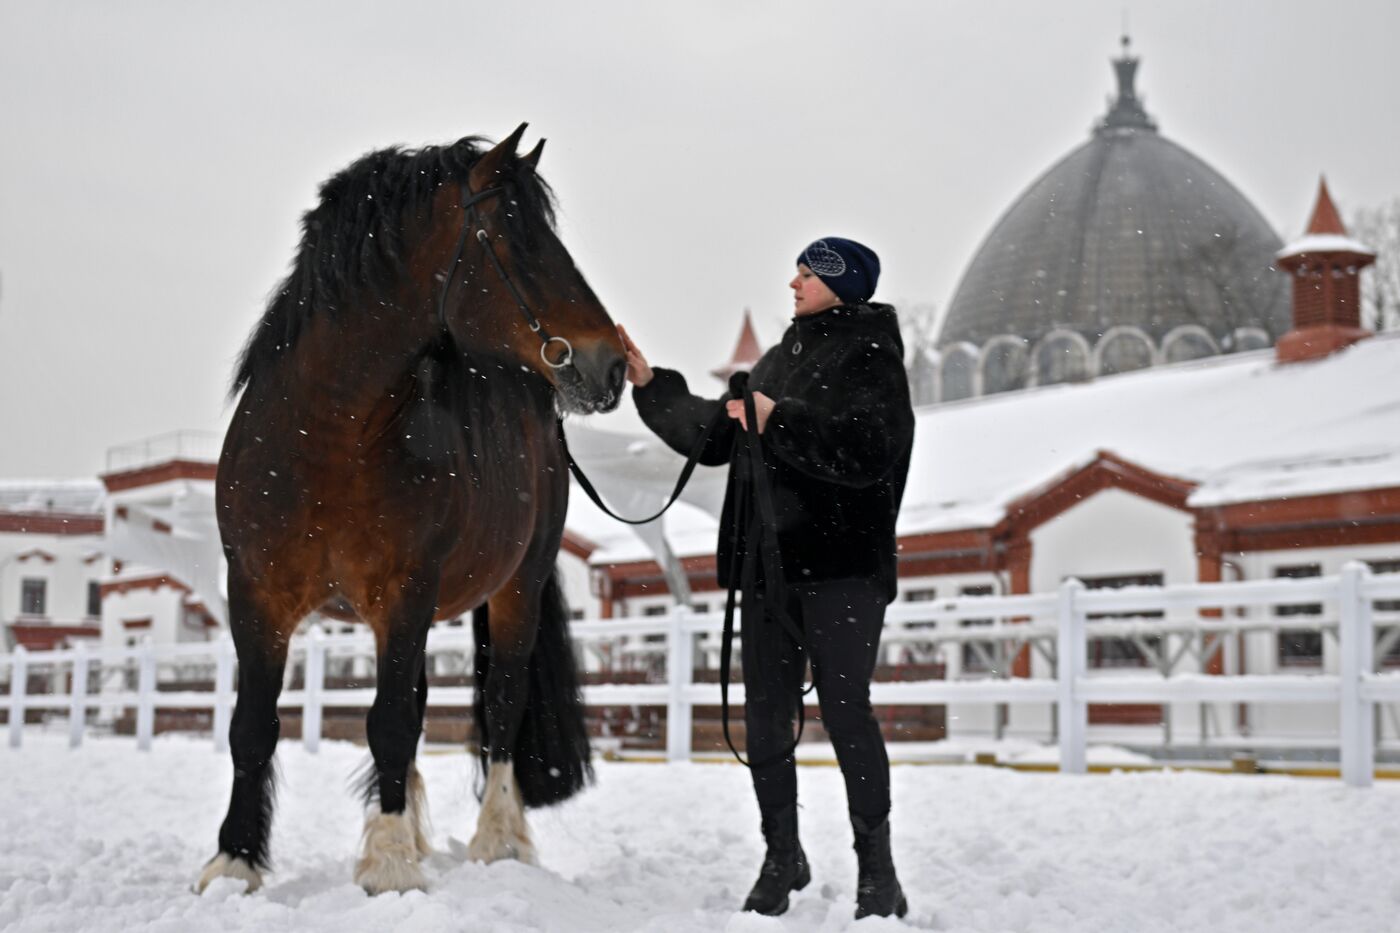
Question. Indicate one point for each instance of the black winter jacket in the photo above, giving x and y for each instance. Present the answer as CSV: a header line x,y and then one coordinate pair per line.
x,y
837,443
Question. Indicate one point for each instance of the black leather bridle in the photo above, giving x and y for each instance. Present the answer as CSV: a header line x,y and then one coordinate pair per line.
x,y
469,203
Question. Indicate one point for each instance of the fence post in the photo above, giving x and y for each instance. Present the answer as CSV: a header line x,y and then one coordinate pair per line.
x,y
315,683
224,656
1072,656
77,696
19,685
680,671
1356,713
146,695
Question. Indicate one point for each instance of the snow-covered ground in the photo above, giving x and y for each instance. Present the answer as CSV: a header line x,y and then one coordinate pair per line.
x,y
108,838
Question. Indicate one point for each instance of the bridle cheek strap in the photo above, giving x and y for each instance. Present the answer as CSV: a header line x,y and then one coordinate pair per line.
x,y
469,202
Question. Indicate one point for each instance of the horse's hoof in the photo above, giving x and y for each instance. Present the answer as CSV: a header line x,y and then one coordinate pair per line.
x,y
224,865
389,861
501,830
488,848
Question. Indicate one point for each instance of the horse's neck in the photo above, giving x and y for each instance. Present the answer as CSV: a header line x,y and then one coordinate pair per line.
x,y
369,379
356,367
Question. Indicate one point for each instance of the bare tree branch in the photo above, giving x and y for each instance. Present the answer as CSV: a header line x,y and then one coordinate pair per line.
x,y
1379,228
916,324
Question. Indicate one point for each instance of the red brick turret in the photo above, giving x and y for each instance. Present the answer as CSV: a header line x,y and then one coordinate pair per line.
x,y
1325,265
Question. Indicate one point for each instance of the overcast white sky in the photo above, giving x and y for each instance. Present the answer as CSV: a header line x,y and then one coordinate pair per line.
x,y
155,157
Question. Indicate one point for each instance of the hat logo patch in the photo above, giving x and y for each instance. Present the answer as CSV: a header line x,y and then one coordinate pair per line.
x,y
824,261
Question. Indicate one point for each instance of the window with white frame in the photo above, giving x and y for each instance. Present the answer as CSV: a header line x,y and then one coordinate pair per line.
x,y
1385,566
1382,607
659,610
33,596
919,652
977,657
1299,647
926,594
94,599
1123,652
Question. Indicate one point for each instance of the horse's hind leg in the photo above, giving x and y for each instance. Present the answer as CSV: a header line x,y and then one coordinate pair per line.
x,y
501,830
395,837
260,633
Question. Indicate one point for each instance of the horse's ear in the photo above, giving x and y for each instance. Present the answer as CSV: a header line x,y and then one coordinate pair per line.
x,y
532,159
490,166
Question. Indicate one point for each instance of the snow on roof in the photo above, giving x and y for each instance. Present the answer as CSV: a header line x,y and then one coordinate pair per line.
x,y
1243,426
51,495
1315,243
1303,476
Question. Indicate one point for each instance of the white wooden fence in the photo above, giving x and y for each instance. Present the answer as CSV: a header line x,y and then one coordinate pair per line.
x,y
1056,623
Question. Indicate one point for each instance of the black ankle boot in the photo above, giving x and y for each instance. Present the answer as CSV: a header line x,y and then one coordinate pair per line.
x,y
878,893
785,866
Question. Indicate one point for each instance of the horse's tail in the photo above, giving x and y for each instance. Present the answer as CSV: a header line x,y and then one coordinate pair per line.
x,y
552,755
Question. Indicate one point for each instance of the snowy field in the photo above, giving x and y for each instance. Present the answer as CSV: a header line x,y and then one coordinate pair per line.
x,y
108,838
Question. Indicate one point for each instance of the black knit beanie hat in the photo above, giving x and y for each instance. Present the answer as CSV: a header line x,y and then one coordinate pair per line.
x,y
848,268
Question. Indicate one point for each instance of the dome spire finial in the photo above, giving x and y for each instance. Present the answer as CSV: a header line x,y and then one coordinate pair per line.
x,y
1126,111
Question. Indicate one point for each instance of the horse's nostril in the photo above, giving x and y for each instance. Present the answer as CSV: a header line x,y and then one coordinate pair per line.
x,y
617,375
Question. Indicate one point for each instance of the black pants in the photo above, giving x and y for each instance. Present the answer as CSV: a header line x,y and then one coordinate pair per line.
x,y
842,621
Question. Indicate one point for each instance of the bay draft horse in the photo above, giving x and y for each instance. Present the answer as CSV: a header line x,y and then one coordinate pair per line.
x,y
395,458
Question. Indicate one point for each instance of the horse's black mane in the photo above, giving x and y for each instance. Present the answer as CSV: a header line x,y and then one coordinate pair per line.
x,y
353,243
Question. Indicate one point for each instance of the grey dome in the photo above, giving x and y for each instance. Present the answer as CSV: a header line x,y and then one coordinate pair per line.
x,y
1129,229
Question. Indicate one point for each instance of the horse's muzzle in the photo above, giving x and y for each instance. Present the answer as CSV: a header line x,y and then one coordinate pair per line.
x,y
594,383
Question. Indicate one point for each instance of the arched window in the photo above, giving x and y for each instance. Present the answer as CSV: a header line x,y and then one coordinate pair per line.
x,y
1123,349
1061,356
1004,362
958,378
1188,342
1251,338
923,377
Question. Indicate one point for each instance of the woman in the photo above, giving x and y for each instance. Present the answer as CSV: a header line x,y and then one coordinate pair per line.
x,y
832,406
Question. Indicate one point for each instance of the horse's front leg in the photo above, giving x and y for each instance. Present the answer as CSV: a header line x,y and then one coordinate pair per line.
x,y
395,837
261,628
508,638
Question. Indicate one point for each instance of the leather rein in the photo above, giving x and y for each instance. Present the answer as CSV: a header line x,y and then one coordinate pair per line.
x,y
748,447
754,505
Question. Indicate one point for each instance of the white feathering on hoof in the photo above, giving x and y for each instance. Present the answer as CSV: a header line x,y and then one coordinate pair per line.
x,y
501,831
417,812
389,859
224,865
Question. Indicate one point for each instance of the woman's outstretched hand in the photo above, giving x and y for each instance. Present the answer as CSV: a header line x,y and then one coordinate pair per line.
x,y
638,369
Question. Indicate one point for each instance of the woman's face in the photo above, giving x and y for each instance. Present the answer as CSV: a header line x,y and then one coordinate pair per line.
x,y
809,293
